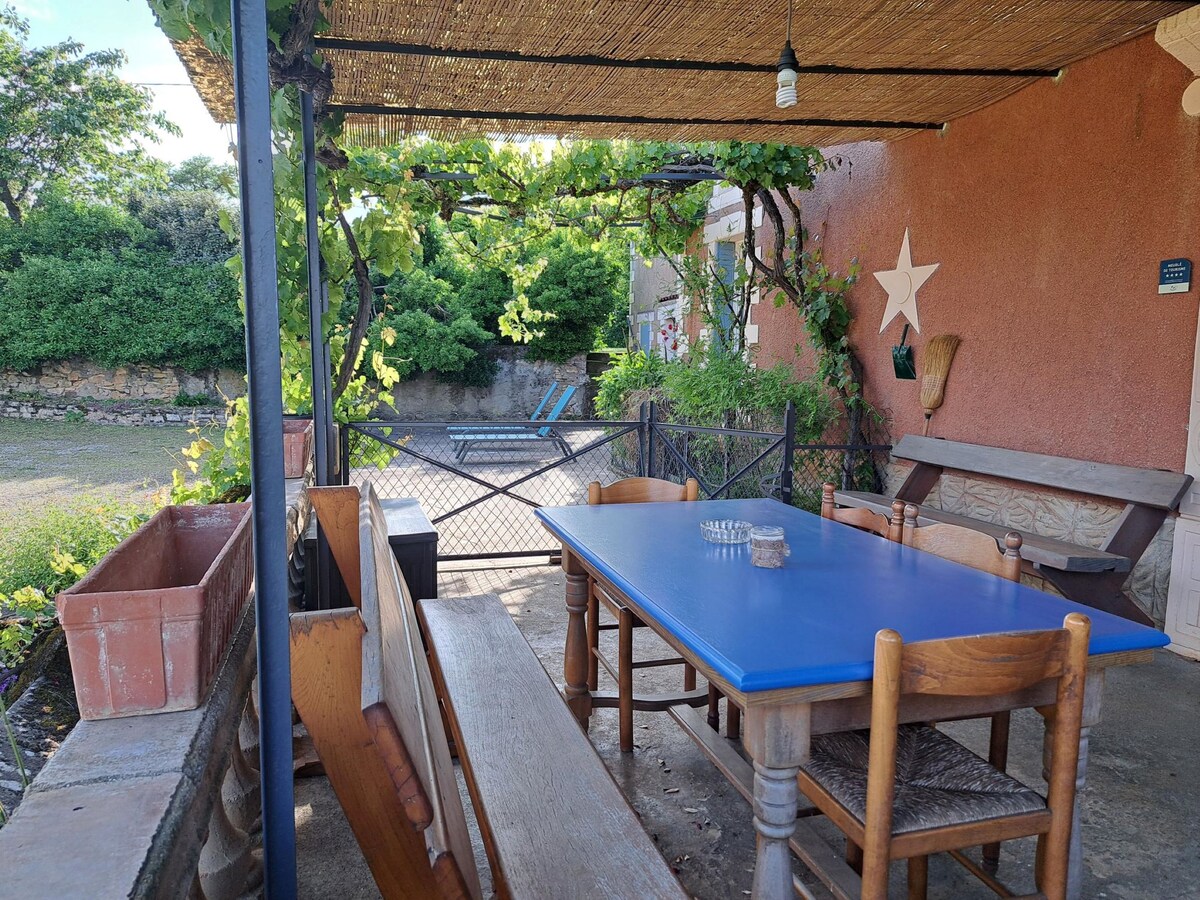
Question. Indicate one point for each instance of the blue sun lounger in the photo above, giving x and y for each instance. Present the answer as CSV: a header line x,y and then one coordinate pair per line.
x,y
533,418
466,441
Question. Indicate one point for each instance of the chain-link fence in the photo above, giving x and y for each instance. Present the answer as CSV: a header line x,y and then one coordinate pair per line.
x,y
479,481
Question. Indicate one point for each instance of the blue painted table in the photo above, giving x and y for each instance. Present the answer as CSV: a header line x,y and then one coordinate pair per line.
x,y
794,646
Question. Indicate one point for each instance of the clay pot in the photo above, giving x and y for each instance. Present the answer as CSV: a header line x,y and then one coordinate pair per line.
x,y
148,626
297,446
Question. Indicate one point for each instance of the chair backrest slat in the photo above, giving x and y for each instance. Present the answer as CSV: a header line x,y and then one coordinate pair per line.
x,y
545,399
642,490
856,517
396,679
983,666
558,409
964,545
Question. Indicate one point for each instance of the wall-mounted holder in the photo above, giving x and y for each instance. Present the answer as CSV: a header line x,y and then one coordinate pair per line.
x,y
902,358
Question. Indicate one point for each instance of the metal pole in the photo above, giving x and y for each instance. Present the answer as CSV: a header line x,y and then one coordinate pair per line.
x,y
316,335
252,94
344,452
650,448
321,411
789,453
643,432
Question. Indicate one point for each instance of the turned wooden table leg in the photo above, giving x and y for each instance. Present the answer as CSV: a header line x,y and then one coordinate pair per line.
x,y
777,738
575,656
593,635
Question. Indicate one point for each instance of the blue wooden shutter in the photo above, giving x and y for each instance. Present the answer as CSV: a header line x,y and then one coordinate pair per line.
x,y
726,267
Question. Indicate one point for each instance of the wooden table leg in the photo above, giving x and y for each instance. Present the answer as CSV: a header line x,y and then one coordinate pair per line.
x,y
1091,715
777,738
575,655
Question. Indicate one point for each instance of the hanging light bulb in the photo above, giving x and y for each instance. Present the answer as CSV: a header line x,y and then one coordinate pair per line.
x,y
785,93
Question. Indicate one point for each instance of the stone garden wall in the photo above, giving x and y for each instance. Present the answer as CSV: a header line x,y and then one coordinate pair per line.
x,y
83,380
109,413
519,386
1069,517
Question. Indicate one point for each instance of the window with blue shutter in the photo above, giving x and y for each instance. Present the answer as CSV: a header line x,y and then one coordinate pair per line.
x,y
726,264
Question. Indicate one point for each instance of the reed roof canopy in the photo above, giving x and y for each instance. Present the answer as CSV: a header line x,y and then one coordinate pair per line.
x,y
686,70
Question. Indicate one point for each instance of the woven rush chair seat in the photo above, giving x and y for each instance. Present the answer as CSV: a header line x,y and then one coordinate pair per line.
x,y
939,782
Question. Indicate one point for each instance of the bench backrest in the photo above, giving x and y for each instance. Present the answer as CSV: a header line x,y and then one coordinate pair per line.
x,y
1144,487
399,701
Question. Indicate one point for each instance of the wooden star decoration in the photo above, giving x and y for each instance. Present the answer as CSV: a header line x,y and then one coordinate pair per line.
x,y
901,284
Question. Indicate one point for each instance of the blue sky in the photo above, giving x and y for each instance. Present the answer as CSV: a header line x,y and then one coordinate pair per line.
x,y
129,25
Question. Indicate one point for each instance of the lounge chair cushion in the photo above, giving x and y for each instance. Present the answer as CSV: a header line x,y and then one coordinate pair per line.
x,y
939,782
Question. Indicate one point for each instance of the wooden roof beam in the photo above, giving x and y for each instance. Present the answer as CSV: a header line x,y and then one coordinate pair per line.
x,y
689,65
374,109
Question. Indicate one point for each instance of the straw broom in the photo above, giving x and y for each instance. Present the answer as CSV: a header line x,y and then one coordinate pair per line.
x,y
937,358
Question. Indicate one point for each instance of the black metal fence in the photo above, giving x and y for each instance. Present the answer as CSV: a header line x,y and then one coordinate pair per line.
x,y
478,481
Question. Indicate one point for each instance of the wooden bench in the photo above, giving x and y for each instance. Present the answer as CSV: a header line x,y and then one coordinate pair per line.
x,y
553,821
1089,575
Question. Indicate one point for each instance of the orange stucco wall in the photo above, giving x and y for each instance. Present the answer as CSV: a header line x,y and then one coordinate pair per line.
x,y
1049,213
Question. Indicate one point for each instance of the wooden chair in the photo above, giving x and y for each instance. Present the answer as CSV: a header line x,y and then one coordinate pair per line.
x,y
905,791
858,517
979,551
634,490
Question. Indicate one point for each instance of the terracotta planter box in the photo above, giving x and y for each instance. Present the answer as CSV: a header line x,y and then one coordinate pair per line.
x,y
297,446
147,627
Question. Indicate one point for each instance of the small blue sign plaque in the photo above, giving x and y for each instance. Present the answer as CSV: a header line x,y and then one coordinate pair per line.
x,y
1175,276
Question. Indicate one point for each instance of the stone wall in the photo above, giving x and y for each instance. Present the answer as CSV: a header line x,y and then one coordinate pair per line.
x,y
79,380
516,391
1069,517
109,413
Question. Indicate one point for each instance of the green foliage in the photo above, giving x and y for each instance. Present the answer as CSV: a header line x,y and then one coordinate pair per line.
x,y
92,281
45,552
183,398
631,373
721,390
131,307
576,291
68,120
187,223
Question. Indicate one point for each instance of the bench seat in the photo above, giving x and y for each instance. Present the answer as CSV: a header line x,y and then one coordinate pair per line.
x,y
1043,551
554,818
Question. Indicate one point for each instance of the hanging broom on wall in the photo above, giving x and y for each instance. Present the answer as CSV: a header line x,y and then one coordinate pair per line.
x,y
937,358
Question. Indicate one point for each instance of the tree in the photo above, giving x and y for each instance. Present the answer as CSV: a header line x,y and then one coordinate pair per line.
x,y
201,173
67,118
577,289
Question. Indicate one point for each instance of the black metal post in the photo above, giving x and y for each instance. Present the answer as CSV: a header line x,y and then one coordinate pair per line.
x,y
322,411
252,95
316,336
650,419
344,452
643,431
789,453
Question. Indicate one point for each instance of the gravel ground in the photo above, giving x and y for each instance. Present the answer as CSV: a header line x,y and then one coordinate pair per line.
x,y
49,463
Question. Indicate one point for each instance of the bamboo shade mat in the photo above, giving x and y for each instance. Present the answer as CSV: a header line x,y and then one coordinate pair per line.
x,y
389,95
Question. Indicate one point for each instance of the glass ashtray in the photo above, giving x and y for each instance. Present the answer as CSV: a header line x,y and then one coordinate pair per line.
x,y
725,531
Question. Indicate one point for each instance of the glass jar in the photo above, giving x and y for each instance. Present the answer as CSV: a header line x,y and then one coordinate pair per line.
x,y
767,547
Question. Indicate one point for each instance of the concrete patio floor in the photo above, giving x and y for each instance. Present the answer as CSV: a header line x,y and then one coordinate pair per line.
x,y
1141,830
